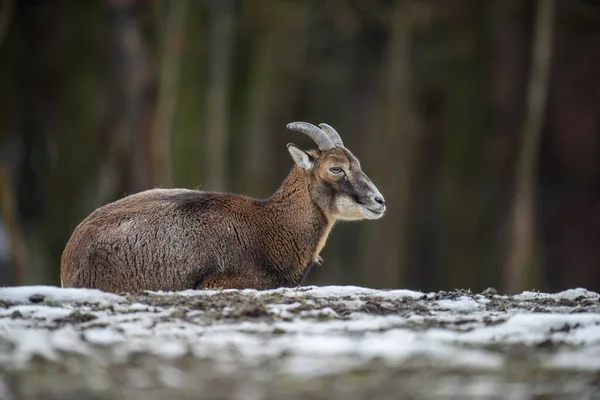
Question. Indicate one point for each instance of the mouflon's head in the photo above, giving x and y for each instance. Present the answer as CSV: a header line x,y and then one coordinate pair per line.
x,y
338,185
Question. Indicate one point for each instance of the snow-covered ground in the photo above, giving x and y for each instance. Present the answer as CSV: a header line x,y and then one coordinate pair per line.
x,y
317,342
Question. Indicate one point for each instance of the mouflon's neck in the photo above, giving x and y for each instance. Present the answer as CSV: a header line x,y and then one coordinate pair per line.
x,y
302,227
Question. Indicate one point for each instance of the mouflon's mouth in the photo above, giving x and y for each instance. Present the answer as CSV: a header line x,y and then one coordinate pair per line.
x,y
377,212
375,209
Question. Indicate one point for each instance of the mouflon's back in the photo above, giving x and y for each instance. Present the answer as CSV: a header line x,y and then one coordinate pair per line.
x,y
161,239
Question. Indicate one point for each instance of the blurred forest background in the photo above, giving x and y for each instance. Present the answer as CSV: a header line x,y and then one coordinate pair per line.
x,y
479,121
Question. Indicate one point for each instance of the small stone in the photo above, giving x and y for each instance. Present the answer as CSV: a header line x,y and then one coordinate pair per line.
x,y
278,331
36,298
490,291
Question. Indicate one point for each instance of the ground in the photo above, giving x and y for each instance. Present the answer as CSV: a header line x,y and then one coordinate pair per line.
x,y
335,342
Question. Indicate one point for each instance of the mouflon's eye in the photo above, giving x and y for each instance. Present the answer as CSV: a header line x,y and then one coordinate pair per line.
x,y
335,170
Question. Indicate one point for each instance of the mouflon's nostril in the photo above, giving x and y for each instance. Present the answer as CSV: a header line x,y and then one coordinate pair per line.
x,y
379,200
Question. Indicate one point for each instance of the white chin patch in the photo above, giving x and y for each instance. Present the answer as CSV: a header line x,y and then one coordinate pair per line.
x,y
348,210
372,214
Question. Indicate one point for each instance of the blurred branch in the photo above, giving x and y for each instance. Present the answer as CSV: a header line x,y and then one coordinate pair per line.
x,y
522,240
10,215
5,18
169,82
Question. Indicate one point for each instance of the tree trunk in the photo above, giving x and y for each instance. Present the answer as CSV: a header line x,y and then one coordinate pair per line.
x,y
388,242
6,13
220,59
260,90
10,215
137,79
522,241
508,80
172,41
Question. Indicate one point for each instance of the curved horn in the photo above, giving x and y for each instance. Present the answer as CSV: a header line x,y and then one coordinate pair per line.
x,y
333,135
315,133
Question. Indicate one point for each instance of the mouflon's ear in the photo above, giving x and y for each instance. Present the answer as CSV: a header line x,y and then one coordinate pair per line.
x,y
300,157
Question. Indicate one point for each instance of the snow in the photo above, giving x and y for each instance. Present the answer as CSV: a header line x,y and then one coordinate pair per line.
x,y
311,331
462,304
353,291
22,294
532,328
586,358
36,311
570,294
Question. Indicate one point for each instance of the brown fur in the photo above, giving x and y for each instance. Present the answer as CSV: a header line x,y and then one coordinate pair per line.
x,y
175,239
